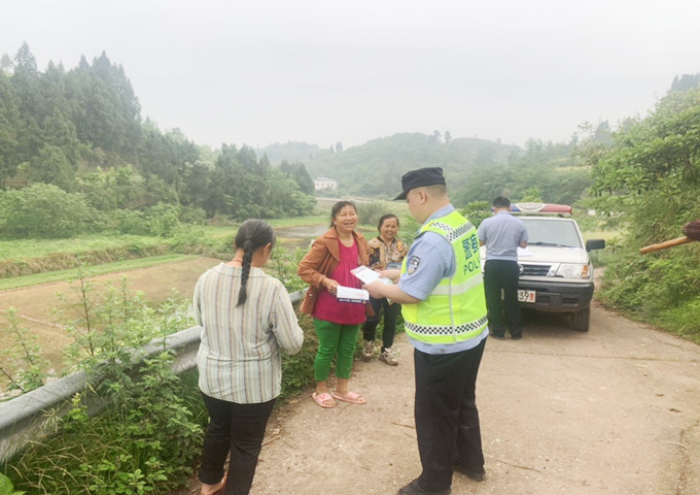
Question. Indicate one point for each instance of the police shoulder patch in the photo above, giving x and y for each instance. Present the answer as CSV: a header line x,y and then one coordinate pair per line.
x,y
412,264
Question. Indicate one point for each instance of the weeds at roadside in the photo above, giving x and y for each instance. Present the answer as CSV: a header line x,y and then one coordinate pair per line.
x,y
283,266
661,289
21,364
146,441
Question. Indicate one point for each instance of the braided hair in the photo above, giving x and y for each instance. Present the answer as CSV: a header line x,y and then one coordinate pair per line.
x,y
252,235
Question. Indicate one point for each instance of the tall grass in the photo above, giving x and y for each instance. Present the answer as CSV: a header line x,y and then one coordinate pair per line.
x,y
63,275
29,256
26,249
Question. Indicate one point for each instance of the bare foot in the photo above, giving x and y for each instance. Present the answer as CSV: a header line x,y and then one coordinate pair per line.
x,y
214,489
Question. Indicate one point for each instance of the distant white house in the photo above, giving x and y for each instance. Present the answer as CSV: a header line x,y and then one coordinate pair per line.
x,y
325,183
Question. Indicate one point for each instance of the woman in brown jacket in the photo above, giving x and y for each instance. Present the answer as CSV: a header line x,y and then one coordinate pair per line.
x,y
326,266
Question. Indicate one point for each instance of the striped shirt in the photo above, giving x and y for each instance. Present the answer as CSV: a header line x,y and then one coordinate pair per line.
x,y
239,355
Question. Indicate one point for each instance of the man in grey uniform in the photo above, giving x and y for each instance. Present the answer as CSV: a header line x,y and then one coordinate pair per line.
x,y
502,234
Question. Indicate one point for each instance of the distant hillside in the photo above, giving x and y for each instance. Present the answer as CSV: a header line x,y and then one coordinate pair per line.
x,y
480,149
291,152
374,168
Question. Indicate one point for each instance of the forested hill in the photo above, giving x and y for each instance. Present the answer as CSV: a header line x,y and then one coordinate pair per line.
x,y
373,169
78,134
291,152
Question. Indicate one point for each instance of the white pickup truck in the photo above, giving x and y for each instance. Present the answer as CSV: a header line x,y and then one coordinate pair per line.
x,y
556,274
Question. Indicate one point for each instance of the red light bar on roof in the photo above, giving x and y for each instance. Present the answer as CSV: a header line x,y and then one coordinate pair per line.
x,y
541,208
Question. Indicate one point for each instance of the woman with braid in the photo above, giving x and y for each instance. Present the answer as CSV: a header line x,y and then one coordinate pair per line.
x,y
247,319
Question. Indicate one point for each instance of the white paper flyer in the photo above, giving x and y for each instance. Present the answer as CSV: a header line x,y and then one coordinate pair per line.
x,y
348,294
367,275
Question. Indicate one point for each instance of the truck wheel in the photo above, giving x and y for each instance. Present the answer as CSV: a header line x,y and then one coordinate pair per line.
x,y
580,321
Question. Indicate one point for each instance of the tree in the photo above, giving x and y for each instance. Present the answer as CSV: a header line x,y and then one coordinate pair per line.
x,y
283,197
25,83
647,181
685,83
106,110
448,137
297,171
81,131
651,171
6,63
485,158
9,124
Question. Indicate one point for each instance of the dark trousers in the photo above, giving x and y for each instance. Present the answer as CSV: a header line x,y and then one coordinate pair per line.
x,y
502,275
240,429
447,421
391,314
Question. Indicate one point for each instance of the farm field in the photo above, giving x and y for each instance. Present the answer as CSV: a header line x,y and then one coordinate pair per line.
x,y
35,297
37,305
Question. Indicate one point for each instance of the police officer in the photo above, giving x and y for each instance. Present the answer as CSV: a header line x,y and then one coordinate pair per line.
x,y
502,234
441,289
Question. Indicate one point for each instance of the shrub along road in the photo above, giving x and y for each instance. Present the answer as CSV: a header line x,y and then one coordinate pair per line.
x,y
612,411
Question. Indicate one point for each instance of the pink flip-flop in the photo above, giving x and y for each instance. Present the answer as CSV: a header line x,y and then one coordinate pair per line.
x,y
351,397
322,400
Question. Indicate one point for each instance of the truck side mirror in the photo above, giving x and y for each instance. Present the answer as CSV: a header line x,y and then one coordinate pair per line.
x,y
592,244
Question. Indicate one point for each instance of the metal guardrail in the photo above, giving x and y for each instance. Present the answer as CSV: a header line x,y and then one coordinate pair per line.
x,y
25,417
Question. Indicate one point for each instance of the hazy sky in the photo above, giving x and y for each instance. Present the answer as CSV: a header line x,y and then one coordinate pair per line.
x,y
323,71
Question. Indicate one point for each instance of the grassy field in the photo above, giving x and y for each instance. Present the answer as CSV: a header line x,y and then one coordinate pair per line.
x,y
18,249
63,275
23,249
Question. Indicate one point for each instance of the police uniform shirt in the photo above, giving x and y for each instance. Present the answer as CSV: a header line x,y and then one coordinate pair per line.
x,y
429,260
502,234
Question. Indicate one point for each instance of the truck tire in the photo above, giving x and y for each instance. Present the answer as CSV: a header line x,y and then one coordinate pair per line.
x,y
580,321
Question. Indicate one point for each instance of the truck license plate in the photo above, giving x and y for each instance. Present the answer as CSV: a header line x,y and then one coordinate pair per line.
x,y
527,296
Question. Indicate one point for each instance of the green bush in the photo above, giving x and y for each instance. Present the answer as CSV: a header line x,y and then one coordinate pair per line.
x,y
128,222
145,442
477,211
148,437
193,215
370,213
43,210
163,219
298,370
660,288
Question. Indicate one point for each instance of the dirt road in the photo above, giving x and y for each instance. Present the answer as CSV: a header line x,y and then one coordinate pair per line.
x,y
612,411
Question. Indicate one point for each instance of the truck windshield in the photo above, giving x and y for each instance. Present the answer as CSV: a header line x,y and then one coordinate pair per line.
x,y
543,232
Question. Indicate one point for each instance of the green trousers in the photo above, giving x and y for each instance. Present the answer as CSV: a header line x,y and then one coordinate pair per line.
x,y
334,341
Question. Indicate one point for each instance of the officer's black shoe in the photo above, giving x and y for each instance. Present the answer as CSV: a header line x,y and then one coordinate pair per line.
x,y
475,474
413,489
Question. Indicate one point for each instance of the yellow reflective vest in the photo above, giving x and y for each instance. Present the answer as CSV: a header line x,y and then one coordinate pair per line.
x,y
455,310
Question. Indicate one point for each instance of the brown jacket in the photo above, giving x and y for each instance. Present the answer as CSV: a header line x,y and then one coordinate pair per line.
x,y
321,260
